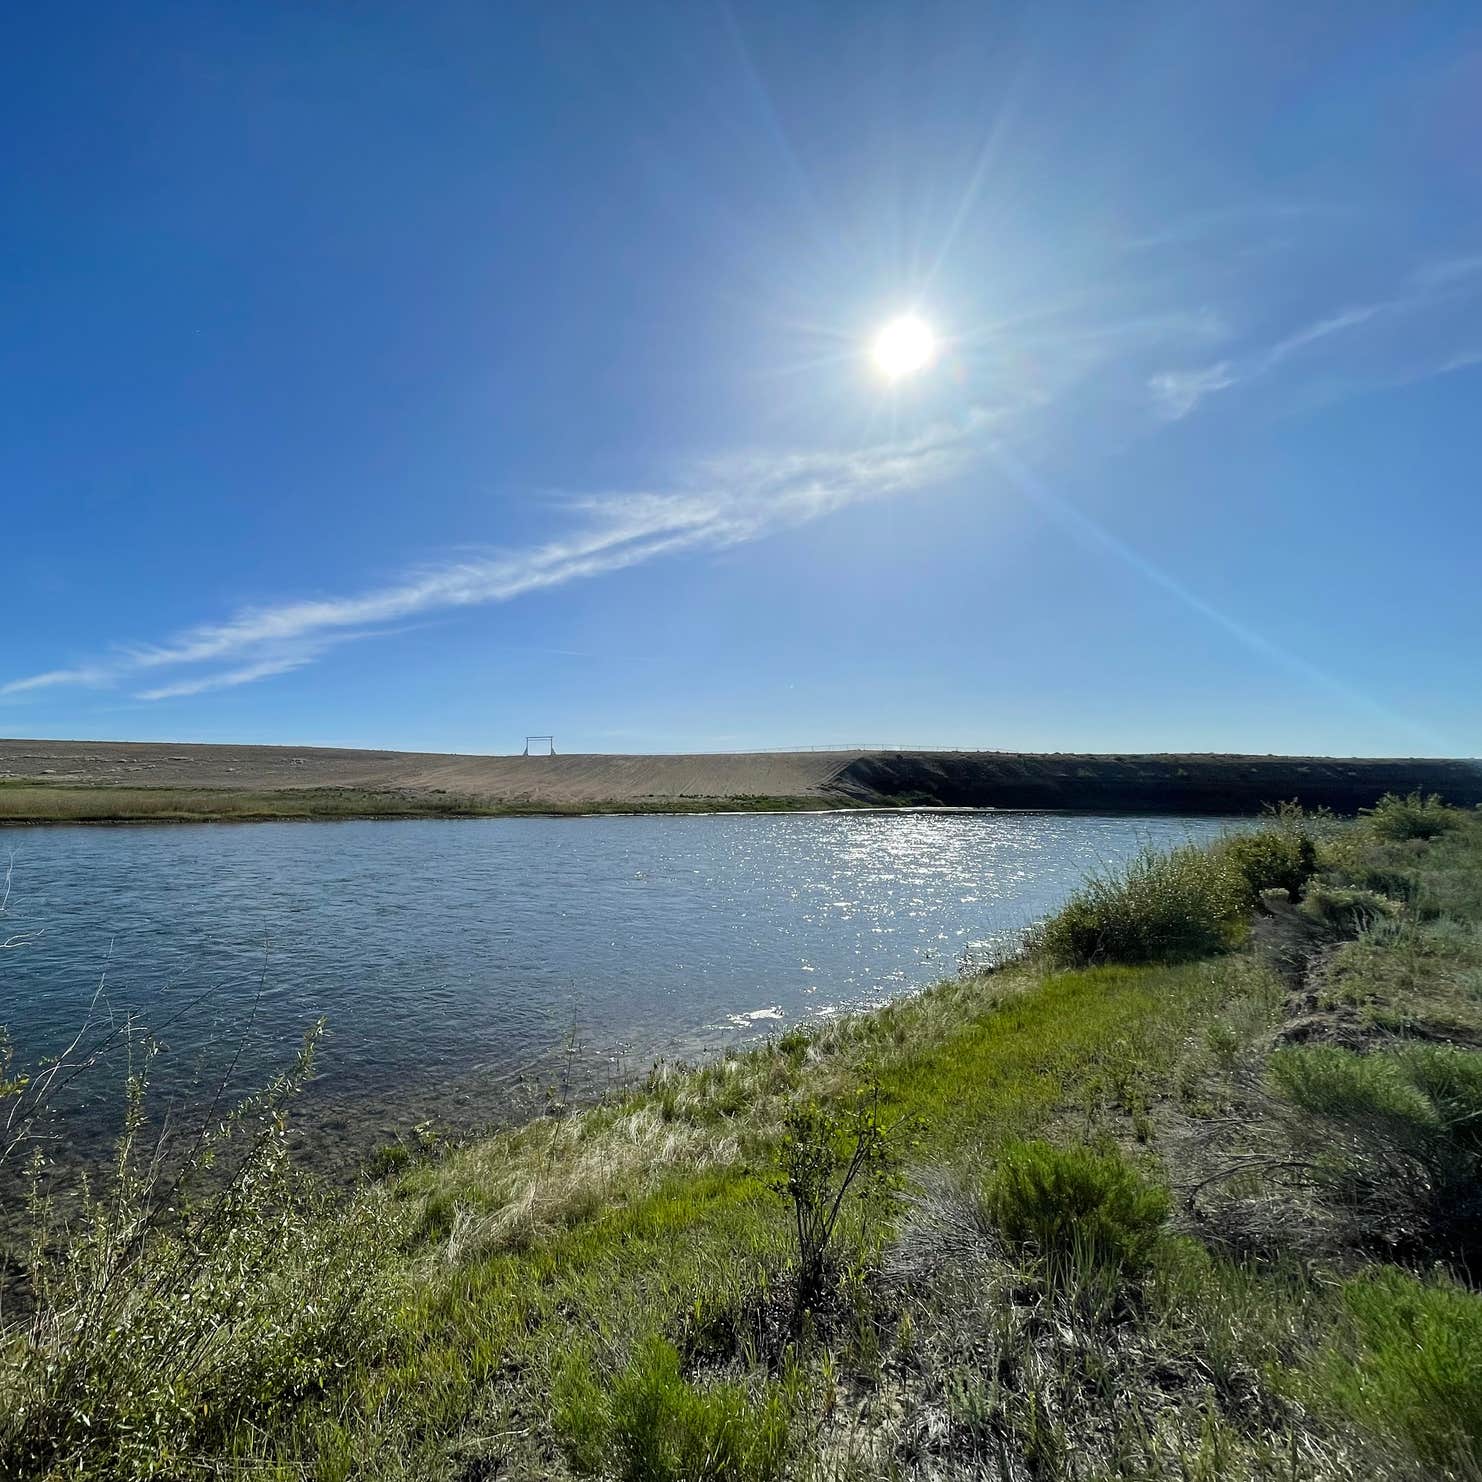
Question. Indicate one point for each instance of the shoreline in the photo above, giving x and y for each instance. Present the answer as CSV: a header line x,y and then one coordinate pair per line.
x,y
181,806
723,808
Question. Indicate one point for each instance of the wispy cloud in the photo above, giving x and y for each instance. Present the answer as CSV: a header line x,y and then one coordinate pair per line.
x,y
1462,360
1349,318
1432,287
1233,222
51,678
1177,393
724,502
1072,363
1448,272
226,679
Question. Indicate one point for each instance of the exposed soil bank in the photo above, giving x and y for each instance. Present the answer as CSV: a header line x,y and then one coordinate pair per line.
x,y
350,782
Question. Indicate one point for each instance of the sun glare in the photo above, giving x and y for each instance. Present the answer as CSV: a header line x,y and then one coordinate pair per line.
x,y
904,346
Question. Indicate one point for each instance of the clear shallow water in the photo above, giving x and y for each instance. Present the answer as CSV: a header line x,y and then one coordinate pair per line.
x,y
456,960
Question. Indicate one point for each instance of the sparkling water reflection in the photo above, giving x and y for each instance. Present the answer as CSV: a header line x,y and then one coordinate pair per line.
x,y
449,955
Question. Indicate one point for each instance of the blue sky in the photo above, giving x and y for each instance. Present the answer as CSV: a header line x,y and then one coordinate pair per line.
x,y
423,376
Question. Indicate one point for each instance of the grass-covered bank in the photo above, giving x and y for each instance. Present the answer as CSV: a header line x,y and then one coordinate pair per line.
x,y
1172,1197
37,803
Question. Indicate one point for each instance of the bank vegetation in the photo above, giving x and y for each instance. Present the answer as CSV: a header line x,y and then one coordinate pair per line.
x,y
1189,1189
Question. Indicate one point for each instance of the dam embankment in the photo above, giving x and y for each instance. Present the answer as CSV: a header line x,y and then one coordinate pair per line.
x,y
276,780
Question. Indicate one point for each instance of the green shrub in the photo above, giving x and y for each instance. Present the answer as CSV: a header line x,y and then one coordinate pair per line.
x,y
1073,1208
388,1161
1397,1139
825,1154
1414,816
1277,858
1187,903
649,1424
1410,1371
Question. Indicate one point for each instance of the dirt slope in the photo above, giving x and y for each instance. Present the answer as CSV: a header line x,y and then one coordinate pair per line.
x,y
557,780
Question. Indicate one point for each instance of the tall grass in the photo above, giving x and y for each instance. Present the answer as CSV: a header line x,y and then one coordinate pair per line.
x,y
1170,907
197,1293
1281,856
1396,1139
1184,903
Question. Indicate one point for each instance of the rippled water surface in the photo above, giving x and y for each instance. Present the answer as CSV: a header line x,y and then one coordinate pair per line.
x,y
450,956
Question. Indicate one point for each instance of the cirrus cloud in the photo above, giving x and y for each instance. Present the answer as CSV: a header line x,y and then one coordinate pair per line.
x,y
725,502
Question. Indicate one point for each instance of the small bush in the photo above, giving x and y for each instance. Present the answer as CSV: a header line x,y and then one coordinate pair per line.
x,y
1073,1208
1414,816
825,1154
1278,858
1190,902
1412,1371
1397,1139
388,1161
649,1424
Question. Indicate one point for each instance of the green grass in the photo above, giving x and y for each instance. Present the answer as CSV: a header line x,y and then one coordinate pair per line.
x,y
1418,966
611,1291
23,802
647,1423
1407,1367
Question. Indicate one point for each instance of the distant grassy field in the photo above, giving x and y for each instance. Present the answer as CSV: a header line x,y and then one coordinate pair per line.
x,y
1193,1191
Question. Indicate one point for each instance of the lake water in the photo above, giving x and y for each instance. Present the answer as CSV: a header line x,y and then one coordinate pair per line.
x,y
466,965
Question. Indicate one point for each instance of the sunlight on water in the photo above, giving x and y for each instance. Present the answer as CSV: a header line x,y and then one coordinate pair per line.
x,y
450,955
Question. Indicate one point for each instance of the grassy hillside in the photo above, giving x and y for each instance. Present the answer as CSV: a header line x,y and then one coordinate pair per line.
x,y
1190,1191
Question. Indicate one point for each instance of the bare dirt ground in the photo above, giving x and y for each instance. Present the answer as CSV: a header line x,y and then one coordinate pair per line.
x,y
558,780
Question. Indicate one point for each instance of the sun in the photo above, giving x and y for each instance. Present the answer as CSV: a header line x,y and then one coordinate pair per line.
x,y
905,346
